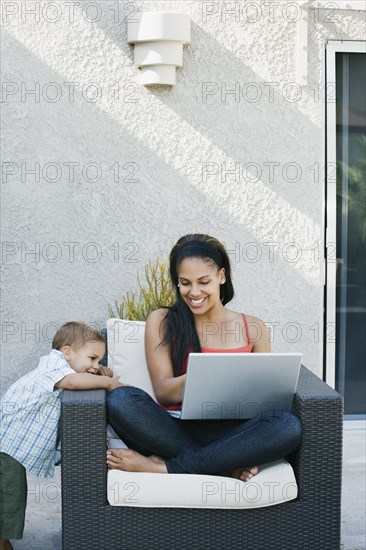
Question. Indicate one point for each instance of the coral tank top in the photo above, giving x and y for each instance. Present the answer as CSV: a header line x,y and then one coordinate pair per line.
x,y
243,349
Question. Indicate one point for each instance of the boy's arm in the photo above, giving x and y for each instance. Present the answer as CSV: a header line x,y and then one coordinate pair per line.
x,y
86,381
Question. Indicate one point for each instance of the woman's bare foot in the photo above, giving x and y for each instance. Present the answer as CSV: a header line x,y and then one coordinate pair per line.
x,y
244,474
129,460
248,473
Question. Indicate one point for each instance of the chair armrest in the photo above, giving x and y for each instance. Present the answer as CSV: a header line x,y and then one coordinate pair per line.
x,y
318,461
83,446
310,387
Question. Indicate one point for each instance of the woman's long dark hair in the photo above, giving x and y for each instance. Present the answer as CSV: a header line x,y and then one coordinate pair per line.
x,y
179,330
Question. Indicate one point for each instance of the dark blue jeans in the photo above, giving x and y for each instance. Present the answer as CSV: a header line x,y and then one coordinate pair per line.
x,y
200,446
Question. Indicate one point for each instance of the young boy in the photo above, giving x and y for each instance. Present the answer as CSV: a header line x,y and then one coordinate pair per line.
x,y
30,414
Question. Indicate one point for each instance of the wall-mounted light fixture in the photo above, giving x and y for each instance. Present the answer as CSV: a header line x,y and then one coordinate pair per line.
x,y
158,39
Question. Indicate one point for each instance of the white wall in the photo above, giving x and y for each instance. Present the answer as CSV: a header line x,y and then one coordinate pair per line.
x,y
177,143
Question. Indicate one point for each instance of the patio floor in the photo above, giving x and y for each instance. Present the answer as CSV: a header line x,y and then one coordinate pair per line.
x,y
43,522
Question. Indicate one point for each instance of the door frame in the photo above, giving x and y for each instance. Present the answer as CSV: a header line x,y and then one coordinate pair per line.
x,y
332,48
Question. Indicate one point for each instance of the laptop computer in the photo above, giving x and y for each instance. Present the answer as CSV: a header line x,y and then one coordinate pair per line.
x,y
233,386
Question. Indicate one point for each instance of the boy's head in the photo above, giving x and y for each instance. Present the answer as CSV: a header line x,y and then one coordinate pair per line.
x,y
82,346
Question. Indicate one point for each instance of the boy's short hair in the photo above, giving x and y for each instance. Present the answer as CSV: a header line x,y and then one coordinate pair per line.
x,y
75,335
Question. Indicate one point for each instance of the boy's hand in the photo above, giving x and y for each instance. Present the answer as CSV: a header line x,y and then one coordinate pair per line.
x,y
105,371
115,383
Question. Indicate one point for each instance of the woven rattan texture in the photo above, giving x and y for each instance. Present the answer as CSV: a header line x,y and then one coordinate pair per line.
x,y
311,522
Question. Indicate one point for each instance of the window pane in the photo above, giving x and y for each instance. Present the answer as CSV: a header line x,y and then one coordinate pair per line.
x,y
351,230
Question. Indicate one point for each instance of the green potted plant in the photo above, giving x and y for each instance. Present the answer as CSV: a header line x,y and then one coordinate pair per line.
x,y
157,291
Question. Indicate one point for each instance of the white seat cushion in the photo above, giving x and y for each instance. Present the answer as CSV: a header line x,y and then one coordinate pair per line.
x,y
274,484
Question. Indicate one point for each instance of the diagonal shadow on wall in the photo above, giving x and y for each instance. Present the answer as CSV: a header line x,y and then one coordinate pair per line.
x,y
272,131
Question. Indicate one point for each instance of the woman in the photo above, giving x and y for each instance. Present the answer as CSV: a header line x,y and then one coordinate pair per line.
x,y
200,322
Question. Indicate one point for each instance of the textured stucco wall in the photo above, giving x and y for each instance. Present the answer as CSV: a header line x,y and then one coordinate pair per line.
x,y
91,229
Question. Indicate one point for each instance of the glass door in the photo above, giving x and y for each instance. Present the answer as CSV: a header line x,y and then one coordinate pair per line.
x,y
346,224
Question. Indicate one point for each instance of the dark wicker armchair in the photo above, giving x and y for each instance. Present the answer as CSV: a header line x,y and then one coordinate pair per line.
x,y
311,522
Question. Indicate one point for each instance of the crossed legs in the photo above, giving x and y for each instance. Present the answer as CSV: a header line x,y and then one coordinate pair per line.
x,y
160,443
